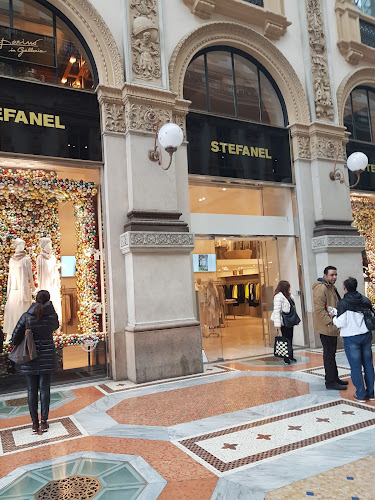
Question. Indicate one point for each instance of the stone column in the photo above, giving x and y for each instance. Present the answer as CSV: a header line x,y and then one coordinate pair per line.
x,y
115,207
324,211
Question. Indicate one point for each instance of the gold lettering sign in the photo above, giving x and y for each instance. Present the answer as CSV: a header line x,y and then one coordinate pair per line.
x,y
21,47
240,150
30,118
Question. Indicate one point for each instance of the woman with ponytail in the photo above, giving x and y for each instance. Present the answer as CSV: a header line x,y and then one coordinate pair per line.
x,y
42,321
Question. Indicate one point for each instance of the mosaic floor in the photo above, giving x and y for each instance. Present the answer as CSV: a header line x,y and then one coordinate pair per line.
x,y
250,429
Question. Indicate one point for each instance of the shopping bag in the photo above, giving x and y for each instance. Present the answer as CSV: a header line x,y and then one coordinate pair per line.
x,y
282,347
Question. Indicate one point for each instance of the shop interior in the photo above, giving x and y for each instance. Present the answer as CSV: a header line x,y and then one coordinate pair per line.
x,y
60,206
233,297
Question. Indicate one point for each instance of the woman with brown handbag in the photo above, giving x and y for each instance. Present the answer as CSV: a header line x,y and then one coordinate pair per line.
x,y
42,321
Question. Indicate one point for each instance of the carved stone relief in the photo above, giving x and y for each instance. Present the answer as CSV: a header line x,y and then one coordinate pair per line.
x,y
319,65
145,41
114,117
143,118
322,147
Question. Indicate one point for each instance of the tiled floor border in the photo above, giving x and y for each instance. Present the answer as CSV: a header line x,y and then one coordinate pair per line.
x,y
312,371
224,369
221,466
9,446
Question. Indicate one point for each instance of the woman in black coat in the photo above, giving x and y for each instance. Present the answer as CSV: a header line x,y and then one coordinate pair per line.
x,y
42,320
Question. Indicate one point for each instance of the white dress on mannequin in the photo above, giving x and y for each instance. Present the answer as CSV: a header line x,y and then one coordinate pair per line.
x,y
49,277
19,292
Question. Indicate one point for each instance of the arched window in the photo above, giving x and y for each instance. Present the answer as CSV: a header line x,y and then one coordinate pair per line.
x,y
40,44
227,82
359,114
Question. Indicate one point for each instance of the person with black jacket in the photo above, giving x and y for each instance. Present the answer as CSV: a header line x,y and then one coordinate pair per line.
x,y
42,321
350,319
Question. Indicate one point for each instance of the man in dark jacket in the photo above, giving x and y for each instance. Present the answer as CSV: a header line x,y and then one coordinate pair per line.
x,y
350,319
326,295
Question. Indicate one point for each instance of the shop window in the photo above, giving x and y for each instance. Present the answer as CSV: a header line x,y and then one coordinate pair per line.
x,y
47,49
195,84
272,113
220,83
4,13
359,114
247,92
237,87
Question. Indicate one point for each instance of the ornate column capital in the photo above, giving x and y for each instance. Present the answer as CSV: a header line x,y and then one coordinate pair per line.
x,y
112,109
336,243
300,135
327,141
144,105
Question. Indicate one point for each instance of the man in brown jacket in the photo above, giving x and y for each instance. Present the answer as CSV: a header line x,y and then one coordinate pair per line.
x,y
325,294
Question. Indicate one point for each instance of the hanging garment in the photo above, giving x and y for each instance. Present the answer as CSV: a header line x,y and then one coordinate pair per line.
x,y
257,292
241,294
49,279
234,292
19,292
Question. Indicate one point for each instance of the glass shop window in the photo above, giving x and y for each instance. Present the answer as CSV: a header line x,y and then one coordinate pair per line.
x,y
40,46
361,115
195,84
227,82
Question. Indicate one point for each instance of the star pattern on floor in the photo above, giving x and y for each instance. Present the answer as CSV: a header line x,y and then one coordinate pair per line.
x,y
264,436
228,446
295,428
322,419
348,412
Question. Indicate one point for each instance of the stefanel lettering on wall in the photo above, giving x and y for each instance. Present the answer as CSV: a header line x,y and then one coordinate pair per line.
x,y
223,147
46,120
30,118
239,149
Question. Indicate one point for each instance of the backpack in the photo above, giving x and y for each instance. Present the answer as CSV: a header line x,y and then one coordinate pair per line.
x,y
369,317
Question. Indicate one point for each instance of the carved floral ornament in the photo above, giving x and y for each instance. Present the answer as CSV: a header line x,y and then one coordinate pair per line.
x,y
319,65
154,239
145,42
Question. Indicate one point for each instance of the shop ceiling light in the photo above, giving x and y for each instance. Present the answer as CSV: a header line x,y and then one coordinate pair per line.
x,y
170,137
72,60
357,163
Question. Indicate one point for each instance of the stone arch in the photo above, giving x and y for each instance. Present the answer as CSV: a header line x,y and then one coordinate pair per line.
x,y
98,37
362,76
251,42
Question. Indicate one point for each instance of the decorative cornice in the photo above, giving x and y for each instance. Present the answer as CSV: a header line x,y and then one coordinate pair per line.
x,y
337,243
249,41
362,76
99,38
274,23
133,241
319,64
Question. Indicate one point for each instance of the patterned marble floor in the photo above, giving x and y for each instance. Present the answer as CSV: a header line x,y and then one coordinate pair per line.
x,y
250,429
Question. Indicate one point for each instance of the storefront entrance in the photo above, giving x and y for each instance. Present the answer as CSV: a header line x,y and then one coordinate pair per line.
x,y
235,279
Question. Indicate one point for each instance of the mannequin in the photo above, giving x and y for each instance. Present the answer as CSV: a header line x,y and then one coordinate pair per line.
x,y
20,287
48,274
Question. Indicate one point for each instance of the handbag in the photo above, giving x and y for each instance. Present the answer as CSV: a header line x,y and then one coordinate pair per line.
x,y
282,347
26,350
291,318
369,317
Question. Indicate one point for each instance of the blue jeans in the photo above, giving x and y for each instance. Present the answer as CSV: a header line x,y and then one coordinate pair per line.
x,y
359,353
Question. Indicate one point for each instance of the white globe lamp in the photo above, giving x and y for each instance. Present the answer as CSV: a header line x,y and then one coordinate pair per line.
x,y
170,138
357,162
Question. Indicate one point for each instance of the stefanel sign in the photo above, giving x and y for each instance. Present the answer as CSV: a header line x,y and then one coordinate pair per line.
x,y
27,47
233,148
367,179
46,120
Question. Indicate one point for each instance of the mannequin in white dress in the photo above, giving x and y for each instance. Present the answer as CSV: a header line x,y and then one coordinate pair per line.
x,y
48,274
20,287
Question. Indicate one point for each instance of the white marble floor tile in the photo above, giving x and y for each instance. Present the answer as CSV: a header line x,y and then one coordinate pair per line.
x,y
25,436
